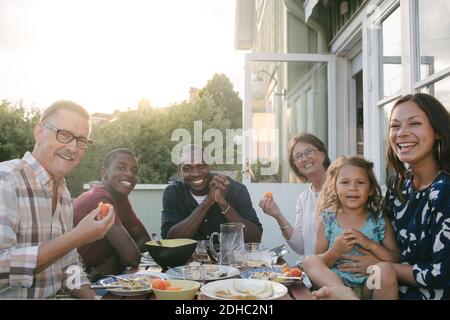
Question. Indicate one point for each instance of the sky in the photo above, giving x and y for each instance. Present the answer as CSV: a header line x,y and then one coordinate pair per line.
x,y
110,54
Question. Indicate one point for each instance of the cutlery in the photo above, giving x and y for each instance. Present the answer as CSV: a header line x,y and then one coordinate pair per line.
x,y
106,286
286,278
125,279
156,238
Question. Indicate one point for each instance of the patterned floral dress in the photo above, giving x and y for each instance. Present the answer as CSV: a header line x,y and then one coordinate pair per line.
x,y
422,228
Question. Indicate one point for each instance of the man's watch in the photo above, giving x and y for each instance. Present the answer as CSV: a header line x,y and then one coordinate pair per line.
x,y
226,210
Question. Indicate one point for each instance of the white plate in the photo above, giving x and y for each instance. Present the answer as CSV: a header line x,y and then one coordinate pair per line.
x,y
210,289
253,273
122,291
213,272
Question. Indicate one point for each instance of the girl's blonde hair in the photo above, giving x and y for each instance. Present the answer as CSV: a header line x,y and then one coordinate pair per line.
x,y
328,198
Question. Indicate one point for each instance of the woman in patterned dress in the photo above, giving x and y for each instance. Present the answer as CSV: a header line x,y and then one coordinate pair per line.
x,y
418,199
418,203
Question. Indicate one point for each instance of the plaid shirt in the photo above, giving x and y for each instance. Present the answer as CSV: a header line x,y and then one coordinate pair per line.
x,y
26,222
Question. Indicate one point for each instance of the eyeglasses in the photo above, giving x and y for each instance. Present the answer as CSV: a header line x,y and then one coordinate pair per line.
x,y
66,137
307,154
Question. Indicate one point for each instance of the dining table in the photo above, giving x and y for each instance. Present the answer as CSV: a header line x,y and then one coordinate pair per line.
x,y
296,290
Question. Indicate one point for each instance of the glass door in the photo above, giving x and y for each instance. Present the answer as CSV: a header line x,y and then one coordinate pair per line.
x,y
285,94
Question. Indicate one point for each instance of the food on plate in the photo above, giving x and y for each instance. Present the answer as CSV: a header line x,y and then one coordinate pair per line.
x,y
160,284
138,283
265,275
240,291
104,209
268,195
292,272
214,272
272,276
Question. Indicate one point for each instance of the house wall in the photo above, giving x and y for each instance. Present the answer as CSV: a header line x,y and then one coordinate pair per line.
x,y
269,27
147,203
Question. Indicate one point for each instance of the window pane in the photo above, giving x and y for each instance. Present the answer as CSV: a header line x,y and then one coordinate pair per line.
x,y
441,90
391,72
384,127
286,98
434,29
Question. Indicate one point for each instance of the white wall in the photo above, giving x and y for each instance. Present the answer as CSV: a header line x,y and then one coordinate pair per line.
x,y
285,194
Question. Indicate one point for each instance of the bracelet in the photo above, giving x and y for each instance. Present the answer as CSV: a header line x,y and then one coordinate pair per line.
x,y
284,227
226,210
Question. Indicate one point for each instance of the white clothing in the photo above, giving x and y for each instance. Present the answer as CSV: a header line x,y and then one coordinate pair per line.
x,y
199,199
303,239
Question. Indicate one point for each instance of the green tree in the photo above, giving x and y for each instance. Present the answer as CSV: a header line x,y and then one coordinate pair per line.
x,y
16,130
147,131
226,100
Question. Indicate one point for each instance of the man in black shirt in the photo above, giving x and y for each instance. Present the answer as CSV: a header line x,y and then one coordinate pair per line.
x,y
195,207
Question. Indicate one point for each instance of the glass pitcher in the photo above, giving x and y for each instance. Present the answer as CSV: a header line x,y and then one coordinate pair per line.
x,y
232,247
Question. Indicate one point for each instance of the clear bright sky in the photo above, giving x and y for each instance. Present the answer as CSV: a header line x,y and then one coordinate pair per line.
x,y
109,54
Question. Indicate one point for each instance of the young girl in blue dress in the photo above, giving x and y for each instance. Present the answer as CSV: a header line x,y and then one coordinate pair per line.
x,y
350,206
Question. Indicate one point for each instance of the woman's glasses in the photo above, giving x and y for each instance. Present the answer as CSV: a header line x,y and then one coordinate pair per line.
x,y
307,154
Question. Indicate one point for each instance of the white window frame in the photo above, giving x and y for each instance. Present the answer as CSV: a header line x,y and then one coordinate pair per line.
x,y
288,57
417,83
376,12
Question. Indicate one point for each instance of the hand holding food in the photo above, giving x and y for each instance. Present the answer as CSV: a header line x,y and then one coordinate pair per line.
x,y
104,209
269,206
341,245
356,237
268,195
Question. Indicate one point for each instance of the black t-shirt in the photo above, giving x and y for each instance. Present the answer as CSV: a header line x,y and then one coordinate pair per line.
x,y
178,204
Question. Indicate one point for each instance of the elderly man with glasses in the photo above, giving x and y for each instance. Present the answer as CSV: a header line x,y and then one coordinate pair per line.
x,y
38,256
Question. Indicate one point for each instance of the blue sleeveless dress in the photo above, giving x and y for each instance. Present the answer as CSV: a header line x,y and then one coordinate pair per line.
x,y
373,229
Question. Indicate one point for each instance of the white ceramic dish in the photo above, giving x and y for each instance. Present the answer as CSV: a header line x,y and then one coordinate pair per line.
x,y
252,285
123,291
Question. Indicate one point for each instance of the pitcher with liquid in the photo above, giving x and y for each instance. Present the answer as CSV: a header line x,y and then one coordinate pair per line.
x,y
232,247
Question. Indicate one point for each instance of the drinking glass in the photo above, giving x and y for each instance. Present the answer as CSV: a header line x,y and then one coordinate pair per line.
x,y
254,254
201,252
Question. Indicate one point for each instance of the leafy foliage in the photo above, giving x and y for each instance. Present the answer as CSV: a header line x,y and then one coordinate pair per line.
x,y
146,131
16,130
